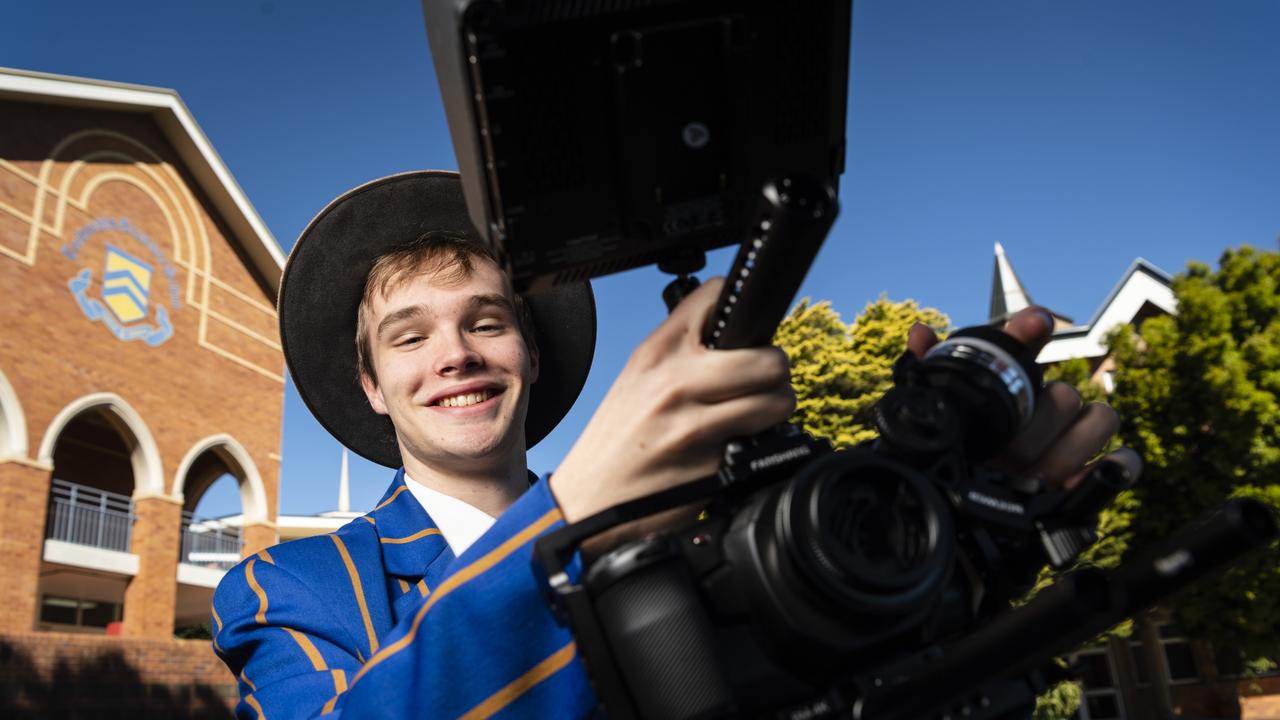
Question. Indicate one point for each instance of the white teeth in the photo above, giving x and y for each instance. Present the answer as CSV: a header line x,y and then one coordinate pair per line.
x,y
466,399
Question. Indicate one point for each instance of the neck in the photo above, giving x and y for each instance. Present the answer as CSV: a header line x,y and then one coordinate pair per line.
x,y
490,488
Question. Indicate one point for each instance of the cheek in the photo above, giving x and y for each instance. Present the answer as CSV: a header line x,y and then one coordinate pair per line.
x,y
511,356
400,380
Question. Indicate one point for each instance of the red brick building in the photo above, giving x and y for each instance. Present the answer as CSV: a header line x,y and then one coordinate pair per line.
x,y
139,362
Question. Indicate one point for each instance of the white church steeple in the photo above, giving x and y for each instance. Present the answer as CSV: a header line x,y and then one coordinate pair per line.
x,y
344,486
1007,294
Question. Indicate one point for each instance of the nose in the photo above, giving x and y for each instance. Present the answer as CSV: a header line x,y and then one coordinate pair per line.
x,y
457,355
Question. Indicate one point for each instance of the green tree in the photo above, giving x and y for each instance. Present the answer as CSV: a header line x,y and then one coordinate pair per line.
x,y
839,371
1199,398
1059,702
1078,373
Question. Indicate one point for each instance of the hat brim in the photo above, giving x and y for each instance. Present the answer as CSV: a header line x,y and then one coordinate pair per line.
x,y
324,280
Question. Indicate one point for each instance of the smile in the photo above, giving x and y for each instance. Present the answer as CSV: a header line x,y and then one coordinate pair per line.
x,y
465,399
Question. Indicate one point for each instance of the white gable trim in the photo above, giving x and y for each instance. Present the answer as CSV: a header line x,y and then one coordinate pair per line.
x,y
1143,283
180,127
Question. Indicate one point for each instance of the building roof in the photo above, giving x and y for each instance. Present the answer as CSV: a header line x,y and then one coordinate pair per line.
x,y
1008,295
1142,284
182,131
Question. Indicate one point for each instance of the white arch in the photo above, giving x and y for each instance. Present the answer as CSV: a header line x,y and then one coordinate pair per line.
x,y
148,477
253,495
13,423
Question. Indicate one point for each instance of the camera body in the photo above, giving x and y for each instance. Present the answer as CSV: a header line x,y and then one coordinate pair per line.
x,y
883,582
812,571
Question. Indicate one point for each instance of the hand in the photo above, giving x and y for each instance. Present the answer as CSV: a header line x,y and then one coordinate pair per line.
x,y
1054,449
667,417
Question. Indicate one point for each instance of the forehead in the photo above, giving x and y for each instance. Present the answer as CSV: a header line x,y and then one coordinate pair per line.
x,y
440,288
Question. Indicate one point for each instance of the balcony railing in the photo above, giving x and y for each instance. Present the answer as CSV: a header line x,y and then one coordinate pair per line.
x,y
209,543
88,516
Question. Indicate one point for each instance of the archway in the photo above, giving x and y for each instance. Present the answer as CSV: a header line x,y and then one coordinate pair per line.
x,y
101,453
139,444
13,423
221,492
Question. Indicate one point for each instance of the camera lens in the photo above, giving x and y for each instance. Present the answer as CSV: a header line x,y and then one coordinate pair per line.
x,y
874,523
990,380
873,534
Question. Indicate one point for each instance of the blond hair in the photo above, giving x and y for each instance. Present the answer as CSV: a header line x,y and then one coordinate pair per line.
x,y
449,257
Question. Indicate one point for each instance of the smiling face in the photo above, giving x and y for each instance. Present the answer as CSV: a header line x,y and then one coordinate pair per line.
x,y
452,368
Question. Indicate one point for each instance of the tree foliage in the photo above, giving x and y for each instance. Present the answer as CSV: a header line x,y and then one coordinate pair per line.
x,y
1078,373
839,371
1199,398
1059,702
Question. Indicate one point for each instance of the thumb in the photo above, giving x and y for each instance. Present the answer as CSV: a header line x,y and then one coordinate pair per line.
x,y
689,317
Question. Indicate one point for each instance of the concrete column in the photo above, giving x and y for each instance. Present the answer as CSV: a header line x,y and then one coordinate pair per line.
x,y
24,497
258,536
151,597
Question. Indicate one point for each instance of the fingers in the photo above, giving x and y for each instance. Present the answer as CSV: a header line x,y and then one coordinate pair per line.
x,y
1032,326
1084,438
726,374
741,416
1056,408
1126,458
920,338
685,323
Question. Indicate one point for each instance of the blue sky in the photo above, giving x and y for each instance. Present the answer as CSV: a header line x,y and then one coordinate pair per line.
x,y
1079,134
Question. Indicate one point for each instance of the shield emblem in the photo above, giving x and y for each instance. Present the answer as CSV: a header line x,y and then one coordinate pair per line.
x,y
126,285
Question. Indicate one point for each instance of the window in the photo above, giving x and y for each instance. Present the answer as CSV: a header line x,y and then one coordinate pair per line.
x,y
56,610
1101,699
1178,657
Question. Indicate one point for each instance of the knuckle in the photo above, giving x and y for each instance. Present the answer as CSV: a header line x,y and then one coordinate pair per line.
x,y
778,366
1064,393
783,401
1105,414
668,397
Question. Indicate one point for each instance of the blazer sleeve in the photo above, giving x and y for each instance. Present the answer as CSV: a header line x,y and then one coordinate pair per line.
x,y
482,644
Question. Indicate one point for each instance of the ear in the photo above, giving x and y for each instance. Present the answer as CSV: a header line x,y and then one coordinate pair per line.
x,y
533,365
373,393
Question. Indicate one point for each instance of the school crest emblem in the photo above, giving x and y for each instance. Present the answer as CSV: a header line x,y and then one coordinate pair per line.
x,y
124,300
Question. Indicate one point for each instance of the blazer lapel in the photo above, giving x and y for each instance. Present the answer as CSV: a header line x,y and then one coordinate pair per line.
x,y
409,538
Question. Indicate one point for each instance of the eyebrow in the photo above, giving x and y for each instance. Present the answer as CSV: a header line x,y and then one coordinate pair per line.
x,y
480,302
404,313
476,302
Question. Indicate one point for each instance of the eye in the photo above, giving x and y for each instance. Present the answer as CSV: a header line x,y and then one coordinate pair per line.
x,y
488,327
409,341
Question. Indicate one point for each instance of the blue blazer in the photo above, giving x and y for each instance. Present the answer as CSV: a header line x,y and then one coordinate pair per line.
x,y
380,620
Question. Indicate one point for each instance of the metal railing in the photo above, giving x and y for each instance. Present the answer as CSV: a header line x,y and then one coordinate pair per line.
x,y
209,543
88,516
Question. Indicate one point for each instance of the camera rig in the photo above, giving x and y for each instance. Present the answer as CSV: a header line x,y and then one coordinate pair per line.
x,y
875,583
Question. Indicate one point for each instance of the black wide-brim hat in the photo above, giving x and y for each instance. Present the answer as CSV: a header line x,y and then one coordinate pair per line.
x,y
324,280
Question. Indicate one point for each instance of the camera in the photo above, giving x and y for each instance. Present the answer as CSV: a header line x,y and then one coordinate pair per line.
x,y
874,583
811,565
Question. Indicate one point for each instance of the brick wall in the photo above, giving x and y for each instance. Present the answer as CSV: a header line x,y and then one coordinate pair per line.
x,y
151,596
1260,698
73,181
62,675
22,493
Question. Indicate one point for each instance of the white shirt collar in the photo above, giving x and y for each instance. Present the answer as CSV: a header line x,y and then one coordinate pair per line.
x,y
460,524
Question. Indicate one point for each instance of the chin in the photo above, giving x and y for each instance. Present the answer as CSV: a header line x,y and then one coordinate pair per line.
x,y
476,450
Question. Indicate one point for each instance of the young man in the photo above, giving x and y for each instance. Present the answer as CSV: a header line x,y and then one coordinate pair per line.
x,y
408,344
